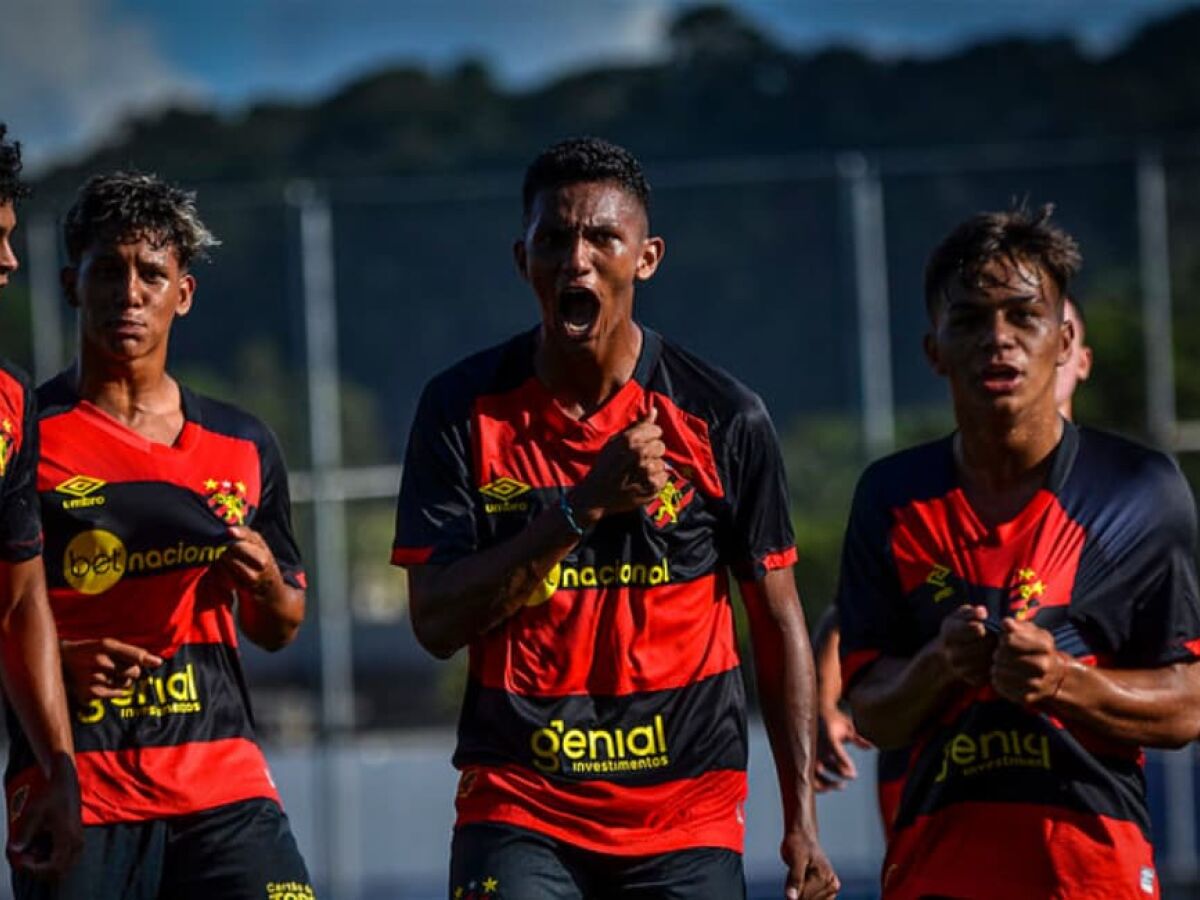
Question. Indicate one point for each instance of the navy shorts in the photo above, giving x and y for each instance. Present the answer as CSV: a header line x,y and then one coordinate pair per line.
x,y
501,862
243,851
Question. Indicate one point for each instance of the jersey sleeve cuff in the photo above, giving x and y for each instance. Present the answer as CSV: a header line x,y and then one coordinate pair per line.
x,y
854,664
411,556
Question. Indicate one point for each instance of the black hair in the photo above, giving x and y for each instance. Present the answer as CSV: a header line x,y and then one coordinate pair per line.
x,y
131,206
12,188
1015,236
585,159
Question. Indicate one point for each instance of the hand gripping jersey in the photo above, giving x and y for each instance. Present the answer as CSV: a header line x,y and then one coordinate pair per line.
x,y
20,526
999,800
131,528
609,711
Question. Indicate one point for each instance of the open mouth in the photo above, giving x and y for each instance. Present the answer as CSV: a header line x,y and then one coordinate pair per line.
x,y
1000,378
578,309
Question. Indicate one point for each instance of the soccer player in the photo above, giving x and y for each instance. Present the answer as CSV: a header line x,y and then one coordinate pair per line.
x,y
1018,601
573,503
43,818
835,728
167,526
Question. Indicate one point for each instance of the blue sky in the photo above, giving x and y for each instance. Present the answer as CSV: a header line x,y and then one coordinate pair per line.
x,y
73,68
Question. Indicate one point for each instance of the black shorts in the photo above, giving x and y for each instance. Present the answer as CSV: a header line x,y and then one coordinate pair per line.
x,y
243,851
501,862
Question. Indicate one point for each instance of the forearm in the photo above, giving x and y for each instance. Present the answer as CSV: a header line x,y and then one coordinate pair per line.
x,y
826,640
895,697
787,695
32,668
452,605
271,615
1145,707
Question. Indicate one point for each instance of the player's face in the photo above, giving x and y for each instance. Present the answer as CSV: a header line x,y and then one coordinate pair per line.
x,y
1000,341
128,295
1078,366
584,248
8,259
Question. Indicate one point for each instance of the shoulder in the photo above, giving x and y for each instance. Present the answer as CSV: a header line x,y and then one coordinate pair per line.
x,y
704,389
495,370
1132,483
57,395
922,472
225,419
16,390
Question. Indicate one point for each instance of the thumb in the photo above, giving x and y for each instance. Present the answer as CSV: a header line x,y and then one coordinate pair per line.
x,y
792,892
652,416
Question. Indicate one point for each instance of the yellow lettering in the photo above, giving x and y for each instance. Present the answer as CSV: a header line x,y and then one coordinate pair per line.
x,y
94,713
544,743
587,576
570,578
661,732
962,750
607,574
594,737
641,741
574,744
985,743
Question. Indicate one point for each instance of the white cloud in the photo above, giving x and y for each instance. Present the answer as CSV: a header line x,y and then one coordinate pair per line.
x,y
73,69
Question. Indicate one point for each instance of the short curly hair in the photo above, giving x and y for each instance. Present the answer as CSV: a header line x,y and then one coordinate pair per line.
x,y
1014,236
585,159
12,188
132,206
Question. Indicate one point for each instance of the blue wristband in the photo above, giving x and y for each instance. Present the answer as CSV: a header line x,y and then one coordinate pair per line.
x,y
569,514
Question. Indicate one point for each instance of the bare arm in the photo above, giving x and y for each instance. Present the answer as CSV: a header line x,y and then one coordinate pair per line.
x,y
784,666
895,697
33,683
1157,707
270,611
835,728
453,604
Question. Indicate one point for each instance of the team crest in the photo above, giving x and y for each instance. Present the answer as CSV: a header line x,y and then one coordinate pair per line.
x,y
677,493
6,445
227,499
1027,595
478,890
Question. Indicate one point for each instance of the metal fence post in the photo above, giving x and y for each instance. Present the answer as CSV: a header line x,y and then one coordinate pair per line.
x,y
46,313
1155,259
340,778
871,290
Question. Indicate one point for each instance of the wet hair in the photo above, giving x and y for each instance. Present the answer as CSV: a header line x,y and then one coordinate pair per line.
x,y
133,206
1013,237
581,159
12,188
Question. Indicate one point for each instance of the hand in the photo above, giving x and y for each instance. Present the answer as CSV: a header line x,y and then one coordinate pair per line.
x,y
1027,668
628,473
966,645
247,564
834,765
104,668
46,838
810,876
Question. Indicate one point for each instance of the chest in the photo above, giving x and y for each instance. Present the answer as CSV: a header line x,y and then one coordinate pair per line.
x,y
1025,568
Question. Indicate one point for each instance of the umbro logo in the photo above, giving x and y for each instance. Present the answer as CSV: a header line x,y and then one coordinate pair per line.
x,y
81,488
499,496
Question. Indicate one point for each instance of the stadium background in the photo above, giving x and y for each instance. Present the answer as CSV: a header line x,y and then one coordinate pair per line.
x,y
347,278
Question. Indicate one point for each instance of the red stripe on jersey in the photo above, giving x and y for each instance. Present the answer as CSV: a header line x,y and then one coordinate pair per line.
x,y
98,446
853,663
780,560
411,556
612,641
998,851
604,817
1192,646
525,435
1035,555
888,793
169,781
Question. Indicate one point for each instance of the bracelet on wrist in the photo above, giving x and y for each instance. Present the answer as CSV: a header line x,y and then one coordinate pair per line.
x,y
564,504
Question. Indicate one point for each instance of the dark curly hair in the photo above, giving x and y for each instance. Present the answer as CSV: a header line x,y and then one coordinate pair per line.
x,y
585,159
131,206
1015,236
12,188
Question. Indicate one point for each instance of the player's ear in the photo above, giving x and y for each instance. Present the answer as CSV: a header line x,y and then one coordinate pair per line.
x,y
653,249
1066,337
520,258
932,353
68,277
187,291
1085,363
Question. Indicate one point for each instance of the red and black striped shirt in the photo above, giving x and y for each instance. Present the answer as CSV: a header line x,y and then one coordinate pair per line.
x,y
608,712
1000,800
131,529
20,525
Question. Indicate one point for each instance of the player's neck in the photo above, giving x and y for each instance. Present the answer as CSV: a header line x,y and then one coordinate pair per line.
x,y
1002,462
582,380
137,393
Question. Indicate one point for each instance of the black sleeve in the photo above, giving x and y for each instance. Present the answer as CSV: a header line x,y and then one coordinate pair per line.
x,y
760,536
435,513
1136,587
20,516
273,519
869,598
